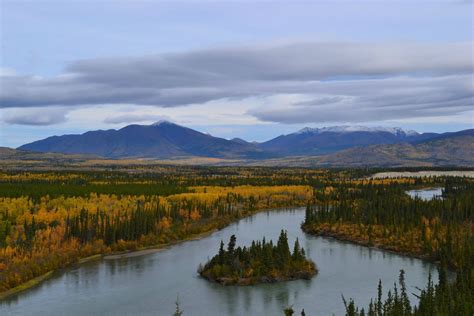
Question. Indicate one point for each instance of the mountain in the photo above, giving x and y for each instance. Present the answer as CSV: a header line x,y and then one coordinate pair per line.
x,y
448,149
320,141
357,128
160,140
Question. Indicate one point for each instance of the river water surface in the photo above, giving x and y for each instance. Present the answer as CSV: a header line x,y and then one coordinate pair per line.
x,y
149,284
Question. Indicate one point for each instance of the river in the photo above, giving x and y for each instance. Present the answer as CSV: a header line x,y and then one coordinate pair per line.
x,y
149,284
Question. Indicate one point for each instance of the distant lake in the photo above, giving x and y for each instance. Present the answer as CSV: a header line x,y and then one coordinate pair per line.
x,y
149,284
426,194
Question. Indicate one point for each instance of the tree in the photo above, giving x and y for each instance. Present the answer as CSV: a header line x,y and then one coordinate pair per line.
x,y
297,251
221,253
231,248
289,311
283,254
178,311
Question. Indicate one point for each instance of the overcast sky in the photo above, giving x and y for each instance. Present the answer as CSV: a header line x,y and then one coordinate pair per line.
x,y
245,69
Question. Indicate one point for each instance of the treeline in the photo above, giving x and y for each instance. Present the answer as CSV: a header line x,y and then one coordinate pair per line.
x,y
440,229
385,216
40,235
37,190
166,180
29,182
261,262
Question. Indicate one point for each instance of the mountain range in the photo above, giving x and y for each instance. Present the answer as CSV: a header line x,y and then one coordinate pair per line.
x,y
336,145
449,149
319,141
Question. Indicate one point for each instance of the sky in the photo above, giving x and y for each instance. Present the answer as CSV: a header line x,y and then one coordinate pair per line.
x,y
248,69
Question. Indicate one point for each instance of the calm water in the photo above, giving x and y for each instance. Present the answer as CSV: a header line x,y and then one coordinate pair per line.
x,y
149,284
426,194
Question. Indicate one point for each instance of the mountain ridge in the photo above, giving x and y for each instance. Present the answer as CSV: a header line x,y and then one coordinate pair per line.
x,y
167,140
357,128
449,150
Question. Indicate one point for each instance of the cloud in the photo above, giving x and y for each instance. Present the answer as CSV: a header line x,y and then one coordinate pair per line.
x,y
376,100
339,81
36,116
7,72
135,118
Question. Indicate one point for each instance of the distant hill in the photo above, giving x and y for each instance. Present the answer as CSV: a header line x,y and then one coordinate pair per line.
x,y
161,140
7,153
320,141
240,141
12,154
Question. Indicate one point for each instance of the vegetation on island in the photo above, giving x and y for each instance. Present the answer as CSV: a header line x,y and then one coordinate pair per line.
x,y
262,262
384,216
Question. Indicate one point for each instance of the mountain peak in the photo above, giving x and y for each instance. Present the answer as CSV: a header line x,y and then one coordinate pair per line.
x,y
163,122
356,128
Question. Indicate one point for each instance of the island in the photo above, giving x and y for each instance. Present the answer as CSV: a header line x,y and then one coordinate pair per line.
x,y
262,262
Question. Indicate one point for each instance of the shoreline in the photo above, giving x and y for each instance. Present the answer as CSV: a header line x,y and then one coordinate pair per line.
x,y
111,256
263,280
27,285
154,248
383,248
128,253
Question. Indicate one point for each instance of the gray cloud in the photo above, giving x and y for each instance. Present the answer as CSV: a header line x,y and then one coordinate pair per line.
x,y
38,117
378,100
367,78
134,118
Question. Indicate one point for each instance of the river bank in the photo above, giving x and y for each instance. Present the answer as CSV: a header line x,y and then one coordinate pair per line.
x,y
366,243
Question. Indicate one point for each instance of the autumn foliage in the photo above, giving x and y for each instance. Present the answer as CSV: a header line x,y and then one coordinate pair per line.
x,y
43,233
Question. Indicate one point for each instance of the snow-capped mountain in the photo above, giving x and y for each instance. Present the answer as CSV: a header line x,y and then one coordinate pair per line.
x,y
163,122
316,141
357,128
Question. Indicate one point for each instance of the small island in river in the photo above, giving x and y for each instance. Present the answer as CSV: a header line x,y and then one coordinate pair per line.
x,y
262,262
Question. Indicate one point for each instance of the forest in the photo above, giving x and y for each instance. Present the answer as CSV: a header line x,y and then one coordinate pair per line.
x,y
262,262
383,216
